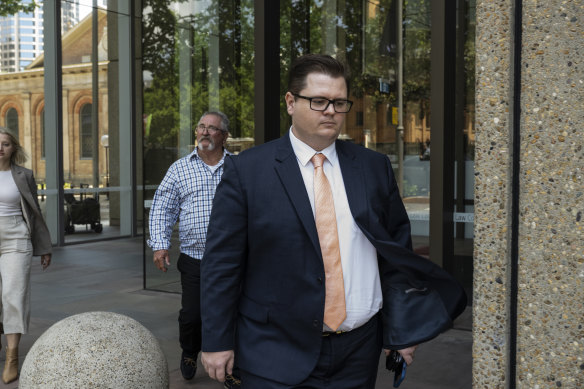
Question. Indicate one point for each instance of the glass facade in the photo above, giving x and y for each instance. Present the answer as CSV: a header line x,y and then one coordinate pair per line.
x,y
198,56
94,181
364,35
464,140
130,80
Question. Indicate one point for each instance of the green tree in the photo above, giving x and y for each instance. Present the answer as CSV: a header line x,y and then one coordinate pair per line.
x,y
11,7
167,33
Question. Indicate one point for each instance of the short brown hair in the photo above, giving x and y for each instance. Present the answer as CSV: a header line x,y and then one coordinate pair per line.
x,y
18,157
314,63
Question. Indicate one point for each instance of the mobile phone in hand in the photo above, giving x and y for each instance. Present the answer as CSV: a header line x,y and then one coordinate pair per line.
x,y
400,374
396,363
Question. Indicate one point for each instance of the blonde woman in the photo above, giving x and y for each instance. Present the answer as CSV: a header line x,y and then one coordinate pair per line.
x,y
23,233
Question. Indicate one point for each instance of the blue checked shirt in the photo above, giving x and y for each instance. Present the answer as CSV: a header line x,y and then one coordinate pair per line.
x,y
186,193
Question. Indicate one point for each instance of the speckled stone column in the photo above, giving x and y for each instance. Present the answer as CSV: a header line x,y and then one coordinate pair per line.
x,y
550,289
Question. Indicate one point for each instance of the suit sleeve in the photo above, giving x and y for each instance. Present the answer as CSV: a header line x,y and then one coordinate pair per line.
x,y
224,261
398,222
41,237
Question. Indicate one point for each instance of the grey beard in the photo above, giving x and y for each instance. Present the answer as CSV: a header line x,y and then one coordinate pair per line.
x,y
211,146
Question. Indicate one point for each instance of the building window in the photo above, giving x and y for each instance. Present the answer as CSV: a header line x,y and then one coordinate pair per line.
x,y
85,136
12,121
43,134
359,118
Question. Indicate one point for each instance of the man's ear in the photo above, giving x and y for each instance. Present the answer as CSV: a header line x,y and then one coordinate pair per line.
x,y
289,103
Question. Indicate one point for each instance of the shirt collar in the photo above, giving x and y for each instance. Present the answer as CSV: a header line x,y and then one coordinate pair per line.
x,y
195,154
304,152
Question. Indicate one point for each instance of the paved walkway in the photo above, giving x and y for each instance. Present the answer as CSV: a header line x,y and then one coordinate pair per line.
x,y
107,276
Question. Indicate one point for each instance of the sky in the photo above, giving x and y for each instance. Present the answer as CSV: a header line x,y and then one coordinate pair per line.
x,y
85,7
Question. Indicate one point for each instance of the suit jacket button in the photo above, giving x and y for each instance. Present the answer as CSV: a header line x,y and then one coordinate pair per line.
x,y
319,279
315,323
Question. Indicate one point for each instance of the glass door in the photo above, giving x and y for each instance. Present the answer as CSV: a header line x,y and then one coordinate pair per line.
x,y
198,56
464,141
363,34
97,134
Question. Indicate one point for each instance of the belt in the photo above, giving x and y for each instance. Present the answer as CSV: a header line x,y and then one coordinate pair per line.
x,y
329,333
363,326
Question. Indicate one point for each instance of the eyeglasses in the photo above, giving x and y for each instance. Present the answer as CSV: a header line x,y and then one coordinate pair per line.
x,y
210,129
322,104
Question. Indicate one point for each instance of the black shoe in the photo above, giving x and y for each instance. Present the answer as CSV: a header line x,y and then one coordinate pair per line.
x,y
231,382
188,366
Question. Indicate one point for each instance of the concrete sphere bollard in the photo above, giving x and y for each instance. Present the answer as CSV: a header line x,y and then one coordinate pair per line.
x,y
95,350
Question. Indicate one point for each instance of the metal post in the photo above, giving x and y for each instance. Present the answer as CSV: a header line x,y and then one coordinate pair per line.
x,y
400,97
95,96
53,137
267,70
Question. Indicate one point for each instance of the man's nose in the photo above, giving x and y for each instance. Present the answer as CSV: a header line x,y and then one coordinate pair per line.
x,y
330,109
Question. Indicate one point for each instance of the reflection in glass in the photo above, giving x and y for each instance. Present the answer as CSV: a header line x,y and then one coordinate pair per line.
x,y
197,56
12,121
85,135
21,97
42,133
464,136
364,35
86,205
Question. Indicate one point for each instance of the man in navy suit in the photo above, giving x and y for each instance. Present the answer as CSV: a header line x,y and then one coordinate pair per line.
x,y
263,278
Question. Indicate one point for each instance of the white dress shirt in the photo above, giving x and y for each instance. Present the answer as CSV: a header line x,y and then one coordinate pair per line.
x,y
363,298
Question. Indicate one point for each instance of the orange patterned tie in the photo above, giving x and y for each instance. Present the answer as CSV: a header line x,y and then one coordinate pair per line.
x,y
326,225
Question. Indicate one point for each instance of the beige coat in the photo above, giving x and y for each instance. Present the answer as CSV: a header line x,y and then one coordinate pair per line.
x,y
40,237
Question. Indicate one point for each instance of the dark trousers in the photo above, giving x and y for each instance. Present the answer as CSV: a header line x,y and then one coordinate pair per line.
x,y
189,318
347,361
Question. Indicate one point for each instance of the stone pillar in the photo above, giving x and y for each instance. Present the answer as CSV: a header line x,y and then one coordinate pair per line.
x,y
528,308
27,130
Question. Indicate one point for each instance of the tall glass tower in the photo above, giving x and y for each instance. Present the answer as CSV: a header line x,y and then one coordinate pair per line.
x,y
21,35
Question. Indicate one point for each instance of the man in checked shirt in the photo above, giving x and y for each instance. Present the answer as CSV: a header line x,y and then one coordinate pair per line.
x,y
186,193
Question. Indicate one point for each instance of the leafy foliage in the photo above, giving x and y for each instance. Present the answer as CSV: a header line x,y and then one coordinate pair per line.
x,y
11,7
205,59
219,41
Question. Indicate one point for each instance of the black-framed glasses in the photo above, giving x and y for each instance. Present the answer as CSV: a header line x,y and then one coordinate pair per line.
x,y
210,129
322,104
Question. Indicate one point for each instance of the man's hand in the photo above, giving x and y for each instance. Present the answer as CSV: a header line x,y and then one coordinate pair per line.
x,y
216,364
161,259
406,353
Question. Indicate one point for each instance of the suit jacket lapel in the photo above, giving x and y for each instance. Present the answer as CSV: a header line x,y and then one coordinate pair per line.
x,y
289,173
354,184
21,183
